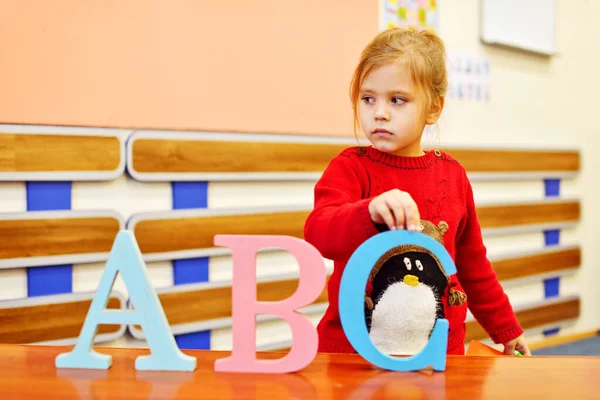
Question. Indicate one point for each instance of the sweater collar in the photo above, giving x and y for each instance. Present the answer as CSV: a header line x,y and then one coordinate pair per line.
x,y
419,162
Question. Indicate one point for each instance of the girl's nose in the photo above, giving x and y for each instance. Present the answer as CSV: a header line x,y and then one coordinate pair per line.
x,y
382,112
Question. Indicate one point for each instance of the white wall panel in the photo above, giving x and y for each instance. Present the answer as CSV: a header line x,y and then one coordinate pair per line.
x,y
275,331
570,237
525,294
499,245
13,197
570,285
497,192
13,284
124,195
86,277
267,264
570,187
259,194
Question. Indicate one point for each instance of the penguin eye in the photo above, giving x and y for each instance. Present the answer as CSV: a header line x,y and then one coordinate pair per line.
x,y
419,265
407,263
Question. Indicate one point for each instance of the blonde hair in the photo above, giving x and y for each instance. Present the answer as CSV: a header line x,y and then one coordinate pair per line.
x,y
423,51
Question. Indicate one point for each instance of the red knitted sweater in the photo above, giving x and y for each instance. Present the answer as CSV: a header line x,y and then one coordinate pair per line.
x,y
340,222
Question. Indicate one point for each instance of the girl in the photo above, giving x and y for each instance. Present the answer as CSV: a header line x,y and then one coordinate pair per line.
x,y
398,87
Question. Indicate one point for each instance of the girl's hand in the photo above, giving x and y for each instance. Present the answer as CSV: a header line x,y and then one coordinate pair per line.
x,y
396,209
518,344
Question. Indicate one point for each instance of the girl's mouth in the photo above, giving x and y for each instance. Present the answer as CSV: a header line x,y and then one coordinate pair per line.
x,y
382,132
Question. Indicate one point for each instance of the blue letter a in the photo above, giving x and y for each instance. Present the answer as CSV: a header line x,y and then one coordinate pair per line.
x,y
126,258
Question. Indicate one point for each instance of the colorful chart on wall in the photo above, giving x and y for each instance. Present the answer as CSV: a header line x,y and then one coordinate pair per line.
x,y
422,14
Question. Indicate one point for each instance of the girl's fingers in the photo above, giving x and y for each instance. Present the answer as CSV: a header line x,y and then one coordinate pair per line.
x,y
413,218
397,209
385,214
523,349
509,349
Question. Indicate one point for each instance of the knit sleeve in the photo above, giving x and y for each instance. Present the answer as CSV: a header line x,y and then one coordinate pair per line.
x,y
486,298
340,220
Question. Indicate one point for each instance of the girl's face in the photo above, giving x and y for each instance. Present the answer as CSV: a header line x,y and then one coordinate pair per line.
x,y
393,111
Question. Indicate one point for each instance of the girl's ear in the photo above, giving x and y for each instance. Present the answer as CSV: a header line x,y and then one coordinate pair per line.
x,y
437,106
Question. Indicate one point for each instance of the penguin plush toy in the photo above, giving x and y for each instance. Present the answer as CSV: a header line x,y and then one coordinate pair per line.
x,y
403,297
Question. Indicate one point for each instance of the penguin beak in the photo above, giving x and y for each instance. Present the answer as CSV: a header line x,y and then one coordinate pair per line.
x,y
411,280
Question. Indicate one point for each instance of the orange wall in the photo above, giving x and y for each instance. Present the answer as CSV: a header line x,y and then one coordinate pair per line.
x,y
252,66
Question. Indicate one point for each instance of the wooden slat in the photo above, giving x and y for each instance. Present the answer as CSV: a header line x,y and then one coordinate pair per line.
x,y
534,264
527,214
54,153
487,160
56,236
532,318
163,155
154,155
209,304
176,234
165,235
7,156
40,323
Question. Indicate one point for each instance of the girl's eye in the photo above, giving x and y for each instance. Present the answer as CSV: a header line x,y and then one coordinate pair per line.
x,y
419,265
407,263
398,100
368,99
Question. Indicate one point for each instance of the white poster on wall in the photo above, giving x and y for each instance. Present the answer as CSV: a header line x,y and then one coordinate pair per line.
x,y
468,77
529,25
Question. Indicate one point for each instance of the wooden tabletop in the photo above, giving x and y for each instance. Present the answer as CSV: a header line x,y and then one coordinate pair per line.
x,y
28,372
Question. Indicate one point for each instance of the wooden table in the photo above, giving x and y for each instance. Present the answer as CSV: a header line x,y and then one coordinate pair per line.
x,y
27,372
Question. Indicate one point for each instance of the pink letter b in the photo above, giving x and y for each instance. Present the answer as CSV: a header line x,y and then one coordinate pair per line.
x,y
245,306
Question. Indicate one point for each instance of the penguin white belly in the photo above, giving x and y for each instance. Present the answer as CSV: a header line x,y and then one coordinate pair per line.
x,y
403,319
